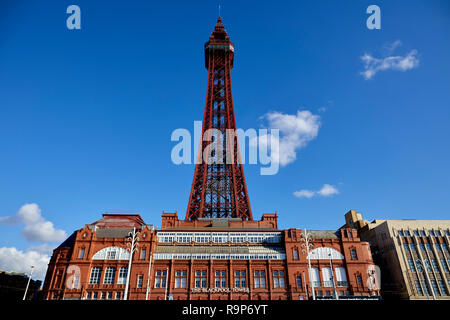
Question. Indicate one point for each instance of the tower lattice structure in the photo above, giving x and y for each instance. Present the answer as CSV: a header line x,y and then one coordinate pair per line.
x,y
219,189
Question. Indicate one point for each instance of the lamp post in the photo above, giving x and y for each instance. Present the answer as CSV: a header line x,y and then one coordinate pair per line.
x,y
307,244
167,284
28,283
421,265
332,275
132,246
147,292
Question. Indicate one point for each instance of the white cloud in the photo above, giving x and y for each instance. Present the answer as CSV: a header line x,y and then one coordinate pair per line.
x,y
12,259
326,191
9,220
296,131
304,194
44,248
36,227
390,47
374,65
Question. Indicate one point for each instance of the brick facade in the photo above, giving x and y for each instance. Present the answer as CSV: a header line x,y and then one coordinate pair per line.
x,y
248,260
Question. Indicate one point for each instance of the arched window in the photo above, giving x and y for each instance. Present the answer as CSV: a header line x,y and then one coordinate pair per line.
x,y
111,253
322,253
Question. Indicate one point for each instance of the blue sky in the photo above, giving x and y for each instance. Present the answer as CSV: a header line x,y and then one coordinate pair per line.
x,y
86,115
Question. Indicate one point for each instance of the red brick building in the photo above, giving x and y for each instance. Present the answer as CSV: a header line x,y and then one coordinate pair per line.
x,y
210,258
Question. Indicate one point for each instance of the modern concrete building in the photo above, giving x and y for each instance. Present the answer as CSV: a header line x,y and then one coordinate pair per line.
x,y
413,255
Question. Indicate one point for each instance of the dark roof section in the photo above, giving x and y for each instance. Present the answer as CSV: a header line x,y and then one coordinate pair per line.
x,y
69,242
113,232
325,234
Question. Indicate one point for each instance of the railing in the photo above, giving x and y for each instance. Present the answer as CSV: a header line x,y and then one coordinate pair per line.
x,y
342,284
316,283
328,283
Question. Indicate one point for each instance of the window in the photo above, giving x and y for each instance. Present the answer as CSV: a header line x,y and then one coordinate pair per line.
x,y
416,233
122,275
220,279
444,247
328,293
435,287
427,265
75,281
438,233
160,278
422,246
180,279
422,233
315,277
103,295
413,247
405,245
353,254
295,254
278,279
428,246
341,277
110,274
140,280
358,279
118,295
240,279
89,295
200,279
81,254
349,234
298,280
431,232
184,239
400,233
444,265
443,288
109,295
96,273
143,254
418,288
434,264
319,293
293,234
110,255
259,277
407,233
411,265
327,277
95,295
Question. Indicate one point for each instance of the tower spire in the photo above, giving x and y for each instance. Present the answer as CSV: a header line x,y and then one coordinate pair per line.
x,y
219,189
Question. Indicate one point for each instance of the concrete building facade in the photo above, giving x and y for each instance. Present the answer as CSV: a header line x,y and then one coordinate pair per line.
x,y
413,255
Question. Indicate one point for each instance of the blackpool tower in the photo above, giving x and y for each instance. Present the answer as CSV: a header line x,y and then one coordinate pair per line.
x,y
218,188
